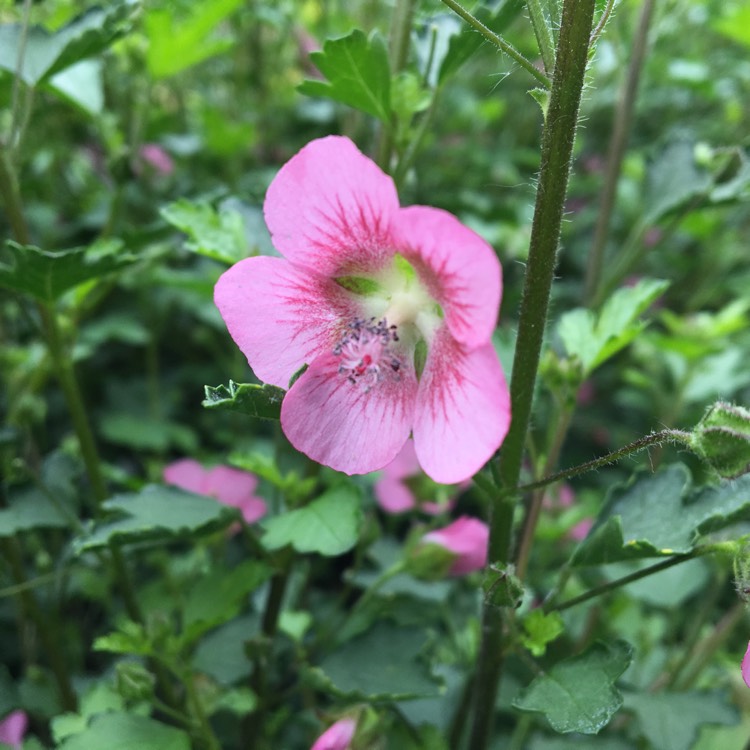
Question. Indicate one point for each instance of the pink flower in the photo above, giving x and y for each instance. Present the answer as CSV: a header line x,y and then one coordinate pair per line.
x,y
13,728
157,157
230,486
467,539
395,490
580,531
746,666
337,737
393,310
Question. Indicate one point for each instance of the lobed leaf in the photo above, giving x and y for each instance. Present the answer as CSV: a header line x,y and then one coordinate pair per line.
x,y
579,694
124,731
358,74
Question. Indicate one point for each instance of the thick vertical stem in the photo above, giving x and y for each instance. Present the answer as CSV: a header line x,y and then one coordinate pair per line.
x,y
616,153
557,147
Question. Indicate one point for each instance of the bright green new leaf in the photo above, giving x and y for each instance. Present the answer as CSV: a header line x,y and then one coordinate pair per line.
x,y
579,694
47,53
329,525
670,721
123,731
593,339
177,42
541,629
156,512
259,401
219,235
358,74
381,664
46,274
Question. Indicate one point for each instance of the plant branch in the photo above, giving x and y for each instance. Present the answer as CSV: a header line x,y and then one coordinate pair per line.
x,y
557,147
543,33
499,42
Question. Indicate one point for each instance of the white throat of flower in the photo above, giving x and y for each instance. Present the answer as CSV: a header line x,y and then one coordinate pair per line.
x,y
398,323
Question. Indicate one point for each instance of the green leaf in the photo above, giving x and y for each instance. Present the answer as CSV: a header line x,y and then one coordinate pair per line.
x,y
156,512
464,44
578,694
642,519
81,84
594,339
670,721
218,596
131,638
329,525
48,53
219,235
121,731
259,401
381,664
146,432
177,43
221,654
358,74
735,23
46,275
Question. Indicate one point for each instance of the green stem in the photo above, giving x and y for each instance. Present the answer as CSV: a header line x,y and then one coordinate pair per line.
x,y
597,32
655,438
51,639
543,33
499,42
625,580
201,720
616,154
557,147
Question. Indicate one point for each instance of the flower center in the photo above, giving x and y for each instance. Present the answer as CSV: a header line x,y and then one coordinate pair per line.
x,y
367,354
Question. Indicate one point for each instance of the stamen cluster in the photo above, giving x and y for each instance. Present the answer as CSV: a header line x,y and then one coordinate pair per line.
x,y
367,354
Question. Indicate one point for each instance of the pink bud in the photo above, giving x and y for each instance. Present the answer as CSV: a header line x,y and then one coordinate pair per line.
x,y
337,737
13,728
467,539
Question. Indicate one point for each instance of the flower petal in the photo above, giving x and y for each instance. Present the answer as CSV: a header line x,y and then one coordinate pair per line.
x,y
466,538
330,208
231,486
13,729
187,474
337,737
280,315
393,495
340,424
460,270
463,409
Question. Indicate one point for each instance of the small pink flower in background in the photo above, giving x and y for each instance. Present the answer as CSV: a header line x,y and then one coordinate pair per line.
x,y
395,495
580,531
230,486
156,157
337,737
746,666
13,728
467,539
393,310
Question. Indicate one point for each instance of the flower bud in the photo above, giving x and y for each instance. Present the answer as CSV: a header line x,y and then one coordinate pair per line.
x,y
722,439
134,681
462,544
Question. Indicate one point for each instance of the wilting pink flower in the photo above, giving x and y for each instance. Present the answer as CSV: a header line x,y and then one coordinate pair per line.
x,y
230,486
337,737
393,310
746,666
13,728
467,539
395,493
157,157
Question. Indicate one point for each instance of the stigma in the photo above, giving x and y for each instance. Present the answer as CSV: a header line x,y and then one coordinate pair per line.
x,y
367,354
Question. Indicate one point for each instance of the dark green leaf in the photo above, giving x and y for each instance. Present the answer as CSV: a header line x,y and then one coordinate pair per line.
x,y
579,694
381,664
221,654
156,512
48,53
121,731
670,721
218,596
464,44
46,274
260,401
358,74
329,525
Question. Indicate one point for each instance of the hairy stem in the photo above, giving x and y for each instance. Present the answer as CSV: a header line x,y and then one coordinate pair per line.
x,y
557,147
616,153
543,33
499,42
